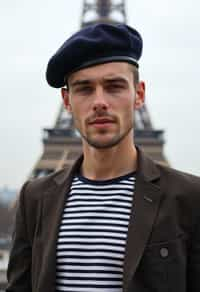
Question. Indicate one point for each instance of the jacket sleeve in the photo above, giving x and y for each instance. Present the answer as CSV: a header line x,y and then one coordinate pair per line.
x,y
19,267
194,261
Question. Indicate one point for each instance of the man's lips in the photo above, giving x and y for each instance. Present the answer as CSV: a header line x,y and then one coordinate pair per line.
x,y
101,122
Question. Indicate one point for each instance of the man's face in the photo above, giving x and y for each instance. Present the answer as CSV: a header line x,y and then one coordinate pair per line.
x,y
102,100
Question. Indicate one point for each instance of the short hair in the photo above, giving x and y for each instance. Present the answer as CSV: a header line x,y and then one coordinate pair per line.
x,y
136,75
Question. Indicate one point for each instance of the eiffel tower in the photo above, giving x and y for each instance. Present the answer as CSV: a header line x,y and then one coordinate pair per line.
x,y
62,144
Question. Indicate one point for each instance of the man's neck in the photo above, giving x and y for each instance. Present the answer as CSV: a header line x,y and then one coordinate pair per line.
x,y
101,164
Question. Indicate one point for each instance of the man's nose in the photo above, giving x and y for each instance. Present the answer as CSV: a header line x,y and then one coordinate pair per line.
x,y
100,102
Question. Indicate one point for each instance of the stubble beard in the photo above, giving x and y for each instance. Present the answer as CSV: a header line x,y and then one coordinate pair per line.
x,y
98,144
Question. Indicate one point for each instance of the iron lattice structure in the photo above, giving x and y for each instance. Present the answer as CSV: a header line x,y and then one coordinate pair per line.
x,y
62,143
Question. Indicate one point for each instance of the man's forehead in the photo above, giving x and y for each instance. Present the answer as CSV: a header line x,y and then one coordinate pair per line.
x,y
108,71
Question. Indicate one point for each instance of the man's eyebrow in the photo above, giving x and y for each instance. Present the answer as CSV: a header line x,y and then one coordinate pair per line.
x,y
105,79
80,82
115,79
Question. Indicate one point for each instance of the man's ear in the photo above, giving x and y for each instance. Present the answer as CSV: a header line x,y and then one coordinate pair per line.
x,y
140,95
66,101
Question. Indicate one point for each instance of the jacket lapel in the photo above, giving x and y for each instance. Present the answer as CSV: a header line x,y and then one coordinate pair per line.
x,y
53,205
145,206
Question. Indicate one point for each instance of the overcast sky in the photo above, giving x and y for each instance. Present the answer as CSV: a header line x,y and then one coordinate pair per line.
x,y
31,31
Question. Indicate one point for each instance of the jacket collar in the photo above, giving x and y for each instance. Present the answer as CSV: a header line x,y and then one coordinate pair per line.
x,y
147,168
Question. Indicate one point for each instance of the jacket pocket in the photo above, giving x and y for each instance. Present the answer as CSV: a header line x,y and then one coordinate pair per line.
x,y
163,266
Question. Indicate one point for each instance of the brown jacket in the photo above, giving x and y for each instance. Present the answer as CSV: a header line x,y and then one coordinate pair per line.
x,y
163,246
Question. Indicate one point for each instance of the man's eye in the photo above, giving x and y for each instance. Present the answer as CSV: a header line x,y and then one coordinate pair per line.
x,y
84,89
115,87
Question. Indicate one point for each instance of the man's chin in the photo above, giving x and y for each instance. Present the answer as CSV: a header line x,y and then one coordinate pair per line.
x,y
103,143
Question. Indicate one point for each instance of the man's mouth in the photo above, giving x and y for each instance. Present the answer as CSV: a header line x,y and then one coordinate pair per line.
x,y
101,122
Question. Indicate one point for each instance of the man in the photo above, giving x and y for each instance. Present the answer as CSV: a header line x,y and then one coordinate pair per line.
x,y
117,221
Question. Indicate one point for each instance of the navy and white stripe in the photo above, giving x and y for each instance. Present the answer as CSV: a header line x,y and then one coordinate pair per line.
x,y
92,235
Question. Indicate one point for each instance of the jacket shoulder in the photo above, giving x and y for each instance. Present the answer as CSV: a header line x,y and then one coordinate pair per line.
x,y
30,200
181,178
180,185
36,188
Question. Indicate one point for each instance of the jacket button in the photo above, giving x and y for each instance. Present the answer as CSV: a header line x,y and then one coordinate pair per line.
x,y
164,252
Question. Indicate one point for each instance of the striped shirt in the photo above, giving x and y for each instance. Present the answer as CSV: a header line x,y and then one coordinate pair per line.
x,y
92,235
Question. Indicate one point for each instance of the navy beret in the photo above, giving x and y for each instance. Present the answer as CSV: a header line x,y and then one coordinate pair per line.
x,y
93,45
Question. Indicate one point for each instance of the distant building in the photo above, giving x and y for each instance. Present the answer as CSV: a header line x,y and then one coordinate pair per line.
x,y
7,195
5,244
6,227
7,213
